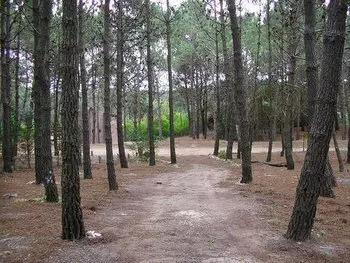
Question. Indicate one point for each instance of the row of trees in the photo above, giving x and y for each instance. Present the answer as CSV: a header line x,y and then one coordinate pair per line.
x,y
243,70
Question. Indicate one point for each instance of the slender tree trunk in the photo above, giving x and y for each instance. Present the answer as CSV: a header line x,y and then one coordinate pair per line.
x,y
337,150
112,182
16,113
120,73
342,112
217,87
72,215
315,162
56,115
150,77
93,87
6,86
240,95
170,78
84,95
271,113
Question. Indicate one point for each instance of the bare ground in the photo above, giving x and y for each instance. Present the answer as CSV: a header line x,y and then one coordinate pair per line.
x,y
191,212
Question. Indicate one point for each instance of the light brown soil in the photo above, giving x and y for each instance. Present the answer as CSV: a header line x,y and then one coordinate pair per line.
x,y
191,212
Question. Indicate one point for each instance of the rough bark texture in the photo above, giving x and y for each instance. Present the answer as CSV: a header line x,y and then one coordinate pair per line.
x,y
42,11
6,86
170,78
309,186
152,157
240,96
112,182
312,81
120,73
84,96
72,215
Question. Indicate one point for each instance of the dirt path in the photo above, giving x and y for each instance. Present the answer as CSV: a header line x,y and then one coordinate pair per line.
x,y
186,216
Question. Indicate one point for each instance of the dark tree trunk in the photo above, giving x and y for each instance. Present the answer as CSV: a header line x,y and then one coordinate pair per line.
x,y
312,80
337,150
16,113
6,86
84,96
42,12
217,88
170,78
240,96
150,78
112,182
309,186
72,215
120,73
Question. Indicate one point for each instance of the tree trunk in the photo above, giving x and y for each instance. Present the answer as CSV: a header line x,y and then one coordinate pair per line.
x,y
93,87
56,114
217,88
84,95
42,12
6,86
337,150
152,157
312,80
309,186
170,78
72,215
16,113
112,182
120,73
240,96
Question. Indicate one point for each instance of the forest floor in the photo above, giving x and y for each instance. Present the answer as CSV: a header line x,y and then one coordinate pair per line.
x,y
195,211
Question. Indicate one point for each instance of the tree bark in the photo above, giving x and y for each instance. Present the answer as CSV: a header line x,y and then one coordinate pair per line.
x,y
312,80
308,190
150,78
6,86
120,73
170,78
84,95
112,182
72,215
240,96
42,12
217,88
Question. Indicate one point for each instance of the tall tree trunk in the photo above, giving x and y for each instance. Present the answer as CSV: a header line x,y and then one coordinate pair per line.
x,y
312,80
84,95
6,86
309,186
120,73
16,113
112,182
217,88
42,12
56,114
150,78
240,95
170,79
72,215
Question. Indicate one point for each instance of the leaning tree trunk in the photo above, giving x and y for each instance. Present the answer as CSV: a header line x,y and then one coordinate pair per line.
x,y
112,182
120,73
42,11
312,81
6,86
170,79
240,96
308,190
72,215
152,157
